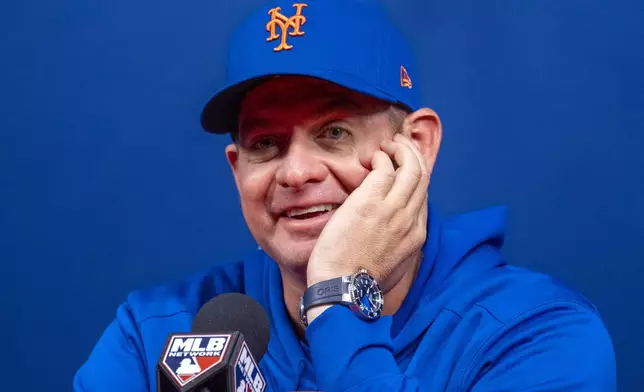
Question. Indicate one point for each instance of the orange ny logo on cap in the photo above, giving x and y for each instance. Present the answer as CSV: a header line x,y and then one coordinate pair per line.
x,y
405,80
284,23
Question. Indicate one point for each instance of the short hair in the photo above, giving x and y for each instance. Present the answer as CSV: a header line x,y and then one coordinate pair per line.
x,y
397,115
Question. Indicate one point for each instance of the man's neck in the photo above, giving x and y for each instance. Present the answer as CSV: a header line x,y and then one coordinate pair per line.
x,y
295,284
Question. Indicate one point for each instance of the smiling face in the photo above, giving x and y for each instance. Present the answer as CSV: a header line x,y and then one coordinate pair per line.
x,y
303,146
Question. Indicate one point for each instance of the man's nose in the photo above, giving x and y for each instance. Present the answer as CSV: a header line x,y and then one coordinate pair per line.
x,y
300,165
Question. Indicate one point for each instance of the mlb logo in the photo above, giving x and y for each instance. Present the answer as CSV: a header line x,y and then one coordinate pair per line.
x,y
247,375
188,356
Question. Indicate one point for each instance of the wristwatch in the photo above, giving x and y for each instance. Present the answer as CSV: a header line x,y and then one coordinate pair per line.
x,y
360,292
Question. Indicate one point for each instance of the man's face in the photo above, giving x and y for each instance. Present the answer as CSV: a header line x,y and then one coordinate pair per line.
x,y
303,146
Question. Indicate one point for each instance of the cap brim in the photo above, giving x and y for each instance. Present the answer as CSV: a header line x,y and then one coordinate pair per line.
x,y
220,114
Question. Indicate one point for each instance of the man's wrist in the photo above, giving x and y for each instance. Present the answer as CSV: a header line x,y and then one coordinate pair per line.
x,y
322,276
315,311
318,277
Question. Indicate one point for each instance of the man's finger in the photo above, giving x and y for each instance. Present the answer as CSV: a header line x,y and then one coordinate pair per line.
x,y
380,178
419,198
408,173
407,141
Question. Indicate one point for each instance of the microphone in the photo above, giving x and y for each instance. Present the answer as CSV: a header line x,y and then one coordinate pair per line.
x,y
229,336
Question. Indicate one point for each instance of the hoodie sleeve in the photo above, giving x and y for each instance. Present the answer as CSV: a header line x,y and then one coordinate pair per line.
x,y
566,350
559,347
117,361
361,356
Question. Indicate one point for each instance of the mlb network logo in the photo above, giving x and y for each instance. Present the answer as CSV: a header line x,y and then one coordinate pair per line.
x,y
188,356
247,375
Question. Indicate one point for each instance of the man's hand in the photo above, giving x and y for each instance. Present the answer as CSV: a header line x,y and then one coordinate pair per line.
x,y
381,224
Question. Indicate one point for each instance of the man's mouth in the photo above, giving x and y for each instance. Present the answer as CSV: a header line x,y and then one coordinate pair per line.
x,y
310,212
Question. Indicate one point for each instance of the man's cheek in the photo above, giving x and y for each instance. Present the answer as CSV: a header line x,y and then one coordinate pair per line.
x,y
254,184
353,167
365,151
349,173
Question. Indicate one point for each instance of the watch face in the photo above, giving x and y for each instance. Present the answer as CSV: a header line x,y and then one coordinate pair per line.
x,y
366,295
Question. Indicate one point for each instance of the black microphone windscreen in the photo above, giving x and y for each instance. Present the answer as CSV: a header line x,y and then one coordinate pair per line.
x,y
235,312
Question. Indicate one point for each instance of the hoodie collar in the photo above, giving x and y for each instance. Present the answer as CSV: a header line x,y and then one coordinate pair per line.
x,y
284,344
454,254
427,265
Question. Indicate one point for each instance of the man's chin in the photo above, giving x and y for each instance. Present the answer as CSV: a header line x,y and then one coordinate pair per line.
x,y
293,254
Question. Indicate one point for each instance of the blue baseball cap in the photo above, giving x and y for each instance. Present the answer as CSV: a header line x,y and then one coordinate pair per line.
x,y
351,43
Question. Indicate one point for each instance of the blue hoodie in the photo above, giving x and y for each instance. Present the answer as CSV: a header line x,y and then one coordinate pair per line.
x,y
469,323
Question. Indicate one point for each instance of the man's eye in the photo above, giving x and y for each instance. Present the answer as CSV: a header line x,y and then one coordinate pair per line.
x,y
263,144
335,133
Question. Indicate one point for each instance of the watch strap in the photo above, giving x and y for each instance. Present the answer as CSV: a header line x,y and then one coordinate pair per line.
x,y
327,292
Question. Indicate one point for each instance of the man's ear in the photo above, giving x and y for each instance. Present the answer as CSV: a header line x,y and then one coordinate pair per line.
x,y
232,156
424,128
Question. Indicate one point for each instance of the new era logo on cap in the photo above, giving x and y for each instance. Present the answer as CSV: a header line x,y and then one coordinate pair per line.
x,y
189,356
405,80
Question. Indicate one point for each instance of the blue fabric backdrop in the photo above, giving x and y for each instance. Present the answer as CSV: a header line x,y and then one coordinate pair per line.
x,y
107,183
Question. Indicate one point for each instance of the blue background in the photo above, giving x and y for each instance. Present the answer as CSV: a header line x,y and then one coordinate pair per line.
x,y
108,184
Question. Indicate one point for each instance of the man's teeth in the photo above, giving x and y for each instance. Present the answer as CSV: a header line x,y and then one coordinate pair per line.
x,y
319,208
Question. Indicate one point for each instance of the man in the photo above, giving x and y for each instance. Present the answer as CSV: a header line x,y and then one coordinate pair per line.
x,y
332,157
